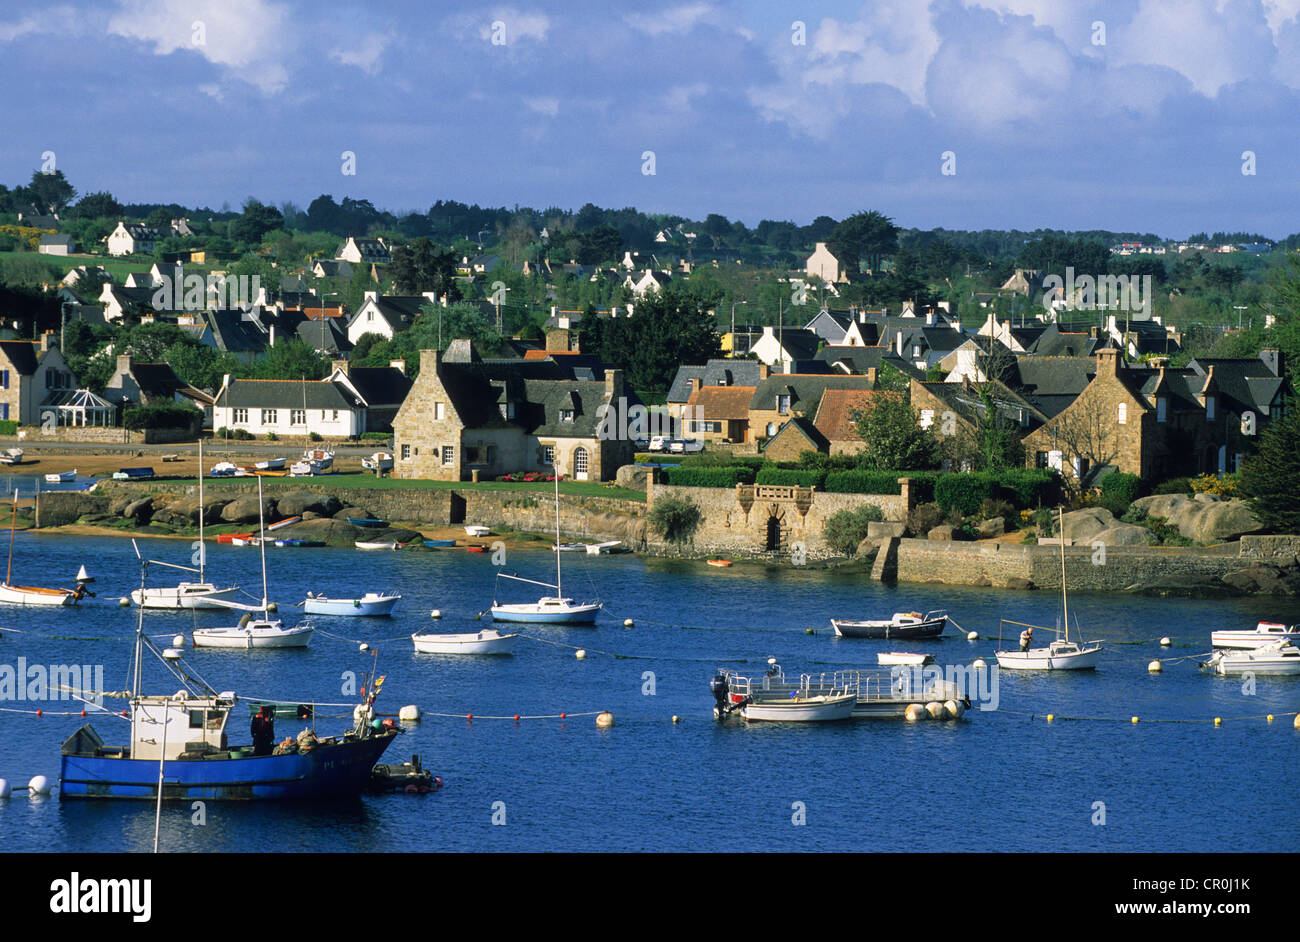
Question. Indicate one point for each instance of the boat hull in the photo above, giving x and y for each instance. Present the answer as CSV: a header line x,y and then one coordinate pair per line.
x,y
179,597
812,710
31,595
244,638
1040,659
888,630
484,642
363,606
330,770
1247,640
530,614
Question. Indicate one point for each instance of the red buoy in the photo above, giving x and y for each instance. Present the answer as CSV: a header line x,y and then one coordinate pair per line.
x,y
469,716
83,712
40,713
516,717
561,716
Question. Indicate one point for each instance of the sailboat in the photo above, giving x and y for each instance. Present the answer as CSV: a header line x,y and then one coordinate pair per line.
x,y
27,594
263,632
179,749
549,609
201,594
1062,654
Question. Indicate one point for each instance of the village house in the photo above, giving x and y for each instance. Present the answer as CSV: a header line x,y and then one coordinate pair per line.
x,y
150,384
783,396
842,328
823,264
387,314
714,373
955,412
363,251
467,418
132,239
782,349
34,377
718,413
56,245
328,408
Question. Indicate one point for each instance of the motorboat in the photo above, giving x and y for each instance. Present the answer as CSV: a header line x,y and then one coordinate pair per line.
x,y
224,469
903,659
313,461
478,532
906,626
1277,657
487,641
818,708
1266,632
879,693
61,477
372,603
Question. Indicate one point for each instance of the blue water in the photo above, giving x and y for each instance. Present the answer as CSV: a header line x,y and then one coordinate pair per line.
x,y
1001,780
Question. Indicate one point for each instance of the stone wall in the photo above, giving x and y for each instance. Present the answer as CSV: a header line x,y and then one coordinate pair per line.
x,y
1278,548
105,436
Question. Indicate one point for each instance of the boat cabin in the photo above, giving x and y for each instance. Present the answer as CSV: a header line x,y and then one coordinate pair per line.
x,y
174,726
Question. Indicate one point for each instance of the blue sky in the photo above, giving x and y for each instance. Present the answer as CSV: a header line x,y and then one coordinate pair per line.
x,y
212,101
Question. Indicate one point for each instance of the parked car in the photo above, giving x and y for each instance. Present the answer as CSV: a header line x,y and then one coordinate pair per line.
x,y
658,443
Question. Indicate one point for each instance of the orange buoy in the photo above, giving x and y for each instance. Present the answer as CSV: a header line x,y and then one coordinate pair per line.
x,y
469,716
516,717
40,713
561,716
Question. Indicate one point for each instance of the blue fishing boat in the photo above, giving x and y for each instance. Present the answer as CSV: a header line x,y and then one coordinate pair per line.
x,y
179,749
439,544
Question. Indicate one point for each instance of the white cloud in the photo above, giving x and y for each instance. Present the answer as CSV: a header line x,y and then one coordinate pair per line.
x,y
248,37
518,25
60,19
680,19
544,105
366,55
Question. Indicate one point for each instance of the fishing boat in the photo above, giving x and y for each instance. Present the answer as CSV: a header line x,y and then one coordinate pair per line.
x,y
61,477
376,544
11,594
179,748
372,603
1266,632
905,626
11,456
1060,654
1278,657
313,461
818,708
903,659
185,594
554,609
487,641
263,632
379,461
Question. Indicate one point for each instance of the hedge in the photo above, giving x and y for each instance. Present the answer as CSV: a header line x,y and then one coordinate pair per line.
x,y
791,477
9,427
964,492
716,460
165,415
682,476
863,482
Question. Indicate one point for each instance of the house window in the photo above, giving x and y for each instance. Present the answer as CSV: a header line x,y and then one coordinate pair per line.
x,y
1162,409
448,454
927,418
4,411
1040,459
270,416
1209,408
783,405
771,429
548,455
566,415
406,452
1123,413
4,379
437,412
240,416
580,463
297,416
507,410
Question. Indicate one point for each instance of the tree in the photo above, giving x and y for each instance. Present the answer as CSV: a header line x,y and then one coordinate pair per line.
x,y
292,359
257,220
845,529
667,328
893,437
423,266
50,190
864,234
96,205
675,518
1269,477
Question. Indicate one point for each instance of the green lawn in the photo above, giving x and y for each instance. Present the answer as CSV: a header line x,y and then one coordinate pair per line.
x,y
118,267
574,488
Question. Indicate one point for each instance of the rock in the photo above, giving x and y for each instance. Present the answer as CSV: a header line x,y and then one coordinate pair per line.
x,y
355,513
1220,521
632,477
119,504
1189,587
1017,582
994,526
183,511
1161,505
139,510
1264,580
883,529
61,508
295,503
309,515
245,509
1205,498
942,532
867,547
327,530
1081,526
1125,534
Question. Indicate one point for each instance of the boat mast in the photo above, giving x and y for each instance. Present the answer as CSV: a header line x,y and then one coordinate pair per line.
x,y
1065,601
202,553
13,522
261,543
559,592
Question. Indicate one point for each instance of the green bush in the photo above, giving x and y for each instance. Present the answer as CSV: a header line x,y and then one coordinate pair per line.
x,y
992,507
713,459
845,529
817,461
965,491
863,482
675,518
924,518
706,477
169,415
1118,490
1174,486
9,427
272,437
314,437
790,477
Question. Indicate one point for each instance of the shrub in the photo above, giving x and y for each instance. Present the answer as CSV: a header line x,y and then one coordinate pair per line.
x,y
9,427
272,437
164,415
863,482
817,461
962,493
847,528
1174,486
1044,521
675,518
992,507
790,477
1225,486
713,459
314,437
924,518
1118,490
685,476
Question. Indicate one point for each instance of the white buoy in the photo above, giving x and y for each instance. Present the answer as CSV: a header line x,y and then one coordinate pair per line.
x,y
1296,724
935,709
580,654
1165,642
953,709
124,602
978,664
914,712
172,654
39,785
436,613
972,636
605,720
1155,667
4,789
364,647
628,623
273,607
409,714
771,662
178,641
676,718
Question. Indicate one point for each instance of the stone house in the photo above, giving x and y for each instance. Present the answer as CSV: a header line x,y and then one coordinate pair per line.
x,y
33,374
783,396
718,413
149,384
467,418
793,438
717,372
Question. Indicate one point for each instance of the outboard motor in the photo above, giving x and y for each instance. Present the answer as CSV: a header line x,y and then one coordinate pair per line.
x,y
720,689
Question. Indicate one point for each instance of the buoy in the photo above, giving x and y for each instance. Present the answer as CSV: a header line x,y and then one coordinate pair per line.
x,y
1050,717
4,789
628,623
40,712
935,709
273,607
771,662
178,641
953,709
124,602
1165,642
562,716
972,636
605,720
1155,667
914,712
39,785
1296,724
978,664
469,716
580,654
364,647
409,714
676,718
809,631
1218,721
1134,720
436,613
172,654
516,717
1270,717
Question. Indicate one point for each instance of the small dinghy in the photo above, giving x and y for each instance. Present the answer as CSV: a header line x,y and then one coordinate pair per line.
x,y
372,603
271,464
61,477
720,563
487,641
11,456
477,531
890,658
569,547
815,709
287,521
476,548
376,544
439,544
379,461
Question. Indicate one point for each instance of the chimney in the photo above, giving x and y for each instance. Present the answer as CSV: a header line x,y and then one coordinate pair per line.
x,y
764,371
614,384
399,365
871,377
696,383
1272,358
124,363
430,361
340,366
47,341
898,342
1108,362
372,295
929,317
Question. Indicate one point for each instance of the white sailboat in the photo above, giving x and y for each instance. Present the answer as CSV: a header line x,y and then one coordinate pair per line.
x,y
1062,654
201,594
263,632
11,594
549,609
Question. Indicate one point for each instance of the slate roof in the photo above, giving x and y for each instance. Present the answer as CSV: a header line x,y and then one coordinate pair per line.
x,y
1051,383
399,310
22,354
234,333
160,380
965,400
801,344
286,394
1248,381
334,341
734,372
380,385
805,391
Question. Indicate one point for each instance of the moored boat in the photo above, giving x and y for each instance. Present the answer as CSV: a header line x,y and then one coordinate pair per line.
x,y
271,464
1266,632
906,626
376,544
372,603
11,594
11,456
379,461
439,544
1278,657
61,477
817,708
487,641
901,658
477,531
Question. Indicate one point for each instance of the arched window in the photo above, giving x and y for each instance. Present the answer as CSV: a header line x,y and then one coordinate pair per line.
x,y
580,463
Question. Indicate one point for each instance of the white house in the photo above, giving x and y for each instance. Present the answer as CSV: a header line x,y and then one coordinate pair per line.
x,y
363,250
132,239
56,245
823,264
289,407
386,314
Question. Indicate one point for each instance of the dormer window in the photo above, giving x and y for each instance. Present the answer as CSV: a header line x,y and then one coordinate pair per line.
x,y
566,415
783,405
1162,409
507,410
1209,408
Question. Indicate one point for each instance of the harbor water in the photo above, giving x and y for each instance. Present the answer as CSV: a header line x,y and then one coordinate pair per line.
x,y
1000,779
